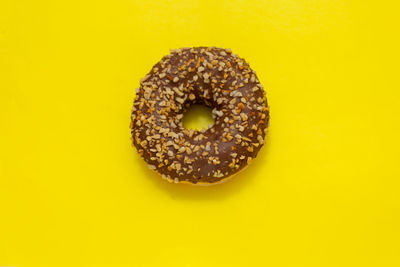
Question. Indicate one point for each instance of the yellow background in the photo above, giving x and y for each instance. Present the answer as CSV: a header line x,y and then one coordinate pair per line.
x,y
324,191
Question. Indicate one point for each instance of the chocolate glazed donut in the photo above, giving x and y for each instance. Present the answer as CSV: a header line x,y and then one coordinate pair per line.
x,y
204,75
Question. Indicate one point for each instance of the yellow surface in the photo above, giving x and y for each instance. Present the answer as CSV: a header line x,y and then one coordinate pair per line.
x,y
324,191
198,117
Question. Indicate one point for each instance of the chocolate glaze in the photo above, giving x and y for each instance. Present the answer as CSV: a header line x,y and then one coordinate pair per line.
x,y
216,78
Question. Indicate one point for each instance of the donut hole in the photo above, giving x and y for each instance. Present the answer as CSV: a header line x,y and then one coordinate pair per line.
x,y
197,117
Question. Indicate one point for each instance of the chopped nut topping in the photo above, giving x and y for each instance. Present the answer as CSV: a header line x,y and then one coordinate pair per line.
x,y
151,166
260,139
243,116
178,166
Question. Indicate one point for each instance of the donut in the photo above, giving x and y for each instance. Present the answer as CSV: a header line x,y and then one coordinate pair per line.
x,y
211,76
